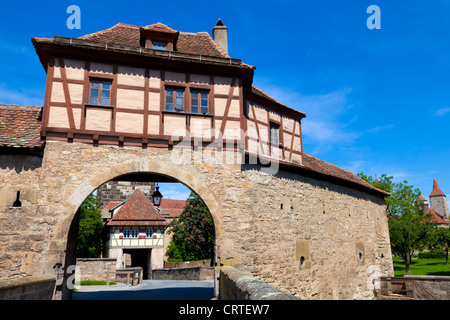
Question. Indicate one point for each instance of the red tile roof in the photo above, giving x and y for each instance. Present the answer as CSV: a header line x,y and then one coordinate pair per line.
x,y
160,27
138,211
436,218
120,33
172,208
436,192
421,198
105,210
258,92
328,169
20,126
199,43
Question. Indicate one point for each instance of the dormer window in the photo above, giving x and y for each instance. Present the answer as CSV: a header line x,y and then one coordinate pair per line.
x,y
157,45
158,36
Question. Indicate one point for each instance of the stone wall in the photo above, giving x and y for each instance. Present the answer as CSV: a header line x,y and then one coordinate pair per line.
x,y
308,237
238,285
24,231
429,287
28,288
187,273
95,269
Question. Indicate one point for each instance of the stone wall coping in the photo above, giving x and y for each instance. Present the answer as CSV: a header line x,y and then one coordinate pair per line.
x,y
253,287
427,278
96,259
193,267
25,281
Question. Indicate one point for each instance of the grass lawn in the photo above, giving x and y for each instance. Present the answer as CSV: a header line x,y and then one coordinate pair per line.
x,y
95,283
420,266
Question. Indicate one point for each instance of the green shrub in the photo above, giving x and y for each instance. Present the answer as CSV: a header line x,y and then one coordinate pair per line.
x,y
432,255
95,283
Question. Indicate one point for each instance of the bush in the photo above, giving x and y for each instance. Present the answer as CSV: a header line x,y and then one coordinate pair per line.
x,y
432,255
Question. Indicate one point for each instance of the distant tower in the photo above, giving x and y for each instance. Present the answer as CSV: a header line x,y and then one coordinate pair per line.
x,y
438,201
118,191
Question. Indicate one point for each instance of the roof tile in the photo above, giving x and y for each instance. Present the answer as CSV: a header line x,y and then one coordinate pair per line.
x,y
199,43
138,211
20,126
436,218
436,192
332,170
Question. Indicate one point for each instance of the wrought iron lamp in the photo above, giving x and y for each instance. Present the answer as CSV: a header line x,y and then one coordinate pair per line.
x,y
156,197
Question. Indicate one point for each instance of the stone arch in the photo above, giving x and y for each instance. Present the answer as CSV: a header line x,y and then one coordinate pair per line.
x,y
193,182
76,193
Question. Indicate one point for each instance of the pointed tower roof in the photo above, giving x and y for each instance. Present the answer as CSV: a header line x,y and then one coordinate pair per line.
x,y
138,211
436,192
421,198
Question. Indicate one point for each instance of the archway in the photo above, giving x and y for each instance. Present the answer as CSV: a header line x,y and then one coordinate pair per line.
x,y
70,253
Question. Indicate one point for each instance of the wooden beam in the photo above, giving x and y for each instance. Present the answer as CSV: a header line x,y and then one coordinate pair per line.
x,y
227,107
66,93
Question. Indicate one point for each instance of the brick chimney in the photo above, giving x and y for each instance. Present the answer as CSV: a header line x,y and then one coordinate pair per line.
x,y
220,35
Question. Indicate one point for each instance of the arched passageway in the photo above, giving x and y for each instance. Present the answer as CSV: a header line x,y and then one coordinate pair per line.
x,y
133,243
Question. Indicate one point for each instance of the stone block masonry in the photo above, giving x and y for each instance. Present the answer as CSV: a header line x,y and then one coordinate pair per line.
x,y
121,190
238,285
28,288
311,238
95,268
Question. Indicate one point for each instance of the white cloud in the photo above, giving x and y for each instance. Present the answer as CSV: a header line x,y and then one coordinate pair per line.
x,y
174,191
29,98
441,112
327,118
16,48
380,128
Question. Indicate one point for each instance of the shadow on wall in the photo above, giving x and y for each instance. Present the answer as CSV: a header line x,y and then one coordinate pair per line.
x,y
20,162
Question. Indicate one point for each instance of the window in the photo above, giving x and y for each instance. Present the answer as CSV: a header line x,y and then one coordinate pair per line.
x,y
199,102
130,233
100,92
149,233
274,130
174,99
159,45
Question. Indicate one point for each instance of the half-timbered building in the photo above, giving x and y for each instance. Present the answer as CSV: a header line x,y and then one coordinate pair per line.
x,y
154,87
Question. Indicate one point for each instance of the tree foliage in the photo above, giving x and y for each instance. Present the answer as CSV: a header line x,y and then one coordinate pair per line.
x,y
409,226
89,244
440,241
193,232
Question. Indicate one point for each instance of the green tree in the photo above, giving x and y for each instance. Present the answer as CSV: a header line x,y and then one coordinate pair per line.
x,y
90,244
409,226
441,240
193,232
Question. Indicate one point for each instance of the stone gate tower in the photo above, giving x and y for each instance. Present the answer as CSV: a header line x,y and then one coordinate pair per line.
x,y
119,191
438,201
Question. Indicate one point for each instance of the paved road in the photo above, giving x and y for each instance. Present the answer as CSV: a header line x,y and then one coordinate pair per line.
x,y
149,290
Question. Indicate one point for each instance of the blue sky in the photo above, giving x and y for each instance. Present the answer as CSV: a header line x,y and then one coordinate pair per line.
x,y
376,101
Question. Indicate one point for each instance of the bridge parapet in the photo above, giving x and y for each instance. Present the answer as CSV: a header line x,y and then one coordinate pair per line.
x,y
238,285
28,288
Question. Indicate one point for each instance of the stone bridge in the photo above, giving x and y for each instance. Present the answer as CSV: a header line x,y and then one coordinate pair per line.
x,y
116,108
305,235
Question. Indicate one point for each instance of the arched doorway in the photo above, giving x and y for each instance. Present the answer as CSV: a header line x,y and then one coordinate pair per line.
x,y
140,256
